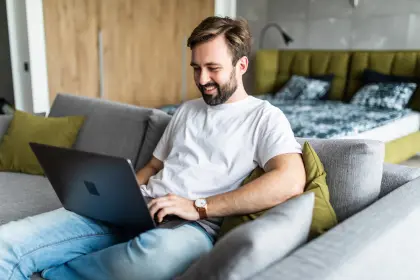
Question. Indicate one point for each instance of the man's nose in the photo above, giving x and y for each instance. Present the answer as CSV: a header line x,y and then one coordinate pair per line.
x,y
204,78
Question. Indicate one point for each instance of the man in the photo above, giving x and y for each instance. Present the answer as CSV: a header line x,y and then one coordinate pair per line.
x,y
208,148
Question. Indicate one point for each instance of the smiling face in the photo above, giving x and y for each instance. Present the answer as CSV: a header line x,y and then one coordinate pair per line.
x,y
214,74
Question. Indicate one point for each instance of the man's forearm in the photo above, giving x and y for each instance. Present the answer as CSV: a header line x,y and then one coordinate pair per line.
x,y
144,174
270,189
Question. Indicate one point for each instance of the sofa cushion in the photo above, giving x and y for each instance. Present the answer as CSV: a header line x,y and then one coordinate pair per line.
x,y
396,175
16,154
251,247
23,195
156,125
110,128
354,169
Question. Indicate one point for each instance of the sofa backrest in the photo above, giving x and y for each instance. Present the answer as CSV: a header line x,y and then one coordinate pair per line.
x,y
156,125
395,175
354,172
110,128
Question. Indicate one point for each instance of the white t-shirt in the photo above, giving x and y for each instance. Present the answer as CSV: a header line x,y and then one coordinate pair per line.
x,y
208,150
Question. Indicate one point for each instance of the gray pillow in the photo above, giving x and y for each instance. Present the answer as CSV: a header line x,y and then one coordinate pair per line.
x,y
354,172
253,246
156,125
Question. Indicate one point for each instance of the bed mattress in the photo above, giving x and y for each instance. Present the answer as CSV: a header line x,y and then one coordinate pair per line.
x,y
401,127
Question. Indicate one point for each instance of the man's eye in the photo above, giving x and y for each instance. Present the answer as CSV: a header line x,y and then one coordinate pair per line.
x,y
214,69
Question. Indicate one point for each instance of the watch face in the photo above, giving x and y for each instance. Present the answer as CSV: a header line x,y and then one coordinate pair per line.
x,y
201,202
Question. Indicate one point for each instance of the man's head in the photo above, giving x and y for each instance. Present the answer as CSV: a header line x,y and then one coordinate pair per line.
x,y
220,49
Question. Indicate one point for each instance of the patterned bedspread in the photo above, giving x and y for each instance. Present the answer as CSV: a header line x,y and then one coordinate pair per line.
x,y
329,119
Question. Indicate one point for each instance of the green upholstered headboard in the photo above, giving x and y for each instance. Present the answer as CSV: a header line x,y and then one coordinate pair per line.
x,y
400,63
274,68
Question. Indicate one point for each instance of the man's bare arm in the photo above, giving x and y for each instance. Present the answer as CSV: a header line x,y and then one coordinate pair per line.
x,y
151,168
284,178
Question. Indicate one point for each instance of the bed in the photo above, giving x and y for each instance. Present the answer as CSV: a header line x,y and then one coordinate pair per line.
x,y
335,117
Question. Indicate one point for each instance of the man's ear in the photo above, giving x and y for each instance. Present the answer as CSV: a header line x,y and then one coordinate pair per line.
x,y
242,64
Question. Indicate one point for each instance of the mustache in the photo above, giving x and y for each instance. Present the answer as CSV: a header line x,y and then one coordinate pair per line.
x,y
208,85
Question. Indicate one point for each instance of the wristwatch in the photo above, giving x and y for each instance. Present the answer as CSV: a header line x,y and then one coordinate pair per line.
x,y
201,206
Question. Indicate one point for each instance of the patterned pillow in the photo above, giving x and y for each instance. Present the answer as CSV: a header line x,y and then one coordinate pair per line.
x,y
385,95
315,90
303,88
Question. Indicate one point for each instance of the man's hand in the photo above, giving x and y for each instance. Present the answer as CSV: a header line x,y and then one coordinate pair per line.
x,y
172,204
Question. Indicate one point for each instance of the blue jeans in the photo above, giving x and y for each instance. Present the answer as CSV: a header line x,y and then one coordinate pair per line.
x,y
64,245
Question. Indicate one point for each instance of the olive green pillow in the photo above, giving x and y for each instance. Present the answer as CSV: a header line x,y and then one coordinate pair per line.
x,y
15,152
323,217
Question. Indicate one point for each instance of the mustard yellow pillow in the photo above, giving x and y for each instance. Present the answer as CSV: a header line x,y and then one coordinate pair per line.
x,y
323,217
15,152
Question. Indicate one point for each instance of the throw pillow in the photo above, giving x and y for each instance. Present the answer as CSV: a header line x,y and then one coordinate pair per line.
x,y
324,216
303,88
15,152
291,89
384,95
315,90
372,77
248,249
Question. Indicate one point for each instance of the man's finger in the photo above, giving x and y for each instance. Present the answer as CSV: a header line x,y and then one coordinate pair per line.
x,y
162,198
158,206
165,211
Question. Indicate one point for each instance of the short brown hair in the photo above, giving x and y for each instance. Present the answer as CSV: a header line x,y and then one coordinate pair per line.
x,y
236,32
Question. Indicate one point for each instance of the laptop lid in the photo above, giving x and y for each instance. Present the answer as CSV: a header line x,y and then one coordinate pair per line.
x,y
98,186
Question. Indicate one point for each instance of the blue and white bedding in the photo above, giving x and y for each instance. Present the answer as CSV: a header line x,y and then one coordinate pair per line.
x,y
328,119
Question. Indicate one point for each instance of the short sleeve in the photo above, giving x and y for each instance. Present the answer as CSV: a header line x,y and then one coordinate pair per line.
x,y
164,145
275,137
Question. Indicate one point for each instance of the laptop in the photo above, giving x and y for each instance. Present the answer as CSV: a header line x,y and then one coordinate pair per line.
x,y
98,186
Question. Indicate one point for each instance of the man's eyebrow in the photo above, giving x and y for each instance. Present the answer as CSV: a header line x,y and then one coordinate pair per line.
x,y
213,64
207,64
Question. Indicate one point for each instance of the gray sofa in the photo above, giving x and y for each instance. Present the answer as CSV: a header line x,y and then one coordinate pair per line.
x,y
377,204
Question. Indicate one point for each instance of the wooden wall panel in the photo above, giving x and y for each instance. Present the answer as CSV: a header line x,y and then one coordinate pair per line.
x,y
142,48
71,28
195,12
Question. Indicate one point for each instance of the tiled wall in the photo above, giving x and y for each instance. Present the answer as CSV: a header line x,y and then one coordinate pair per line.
x,y
335,24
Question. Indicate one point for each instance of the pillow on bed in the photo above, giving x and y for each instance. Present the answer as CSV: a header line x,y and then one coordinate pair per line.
x,y
385,95
303,88
371,77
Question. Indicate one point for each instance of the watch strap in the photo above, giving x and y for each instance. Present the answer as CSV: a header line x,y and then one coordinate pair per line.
x,y
202,212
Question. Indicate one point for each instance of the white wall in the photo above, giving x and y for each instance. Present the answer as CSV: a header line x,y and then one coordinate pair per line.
x,y
27,44
225,8
19,54
36,38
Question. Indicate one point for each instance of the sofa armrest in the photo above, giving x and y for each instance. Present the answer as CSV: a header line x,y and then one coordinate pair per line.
x,y
395,175
380,242
4,123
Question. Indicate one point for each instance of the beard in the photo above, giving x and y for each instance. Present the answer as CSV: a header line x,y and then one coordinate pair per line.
x,y
224,92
